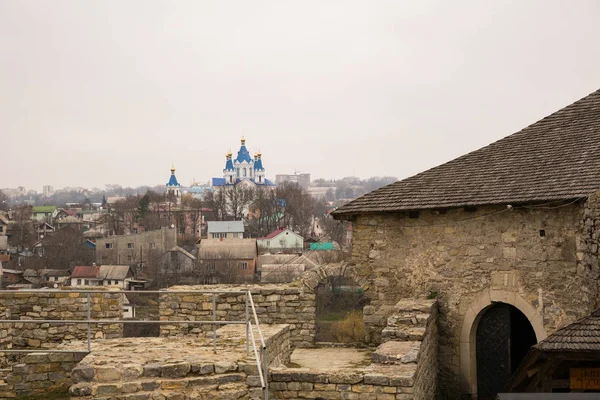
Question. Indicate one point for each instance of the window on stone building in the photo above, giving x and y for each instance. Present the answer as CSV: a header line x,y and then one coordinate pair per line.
x,y
130,245
108,245
243,265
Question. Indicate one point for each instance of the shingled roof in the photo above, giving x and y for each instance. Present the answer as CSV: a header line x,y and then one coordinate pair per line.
x,y
582,335
556,158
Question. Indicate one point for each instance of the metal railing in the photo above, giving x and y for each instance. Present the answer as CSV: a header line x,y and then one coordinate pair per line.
x,y
261,361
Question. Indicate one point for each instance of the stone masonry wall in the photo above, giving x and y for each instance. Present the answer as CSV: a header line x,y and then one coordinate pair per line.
x,y
275,304
40,373
426,375
54,306
545,255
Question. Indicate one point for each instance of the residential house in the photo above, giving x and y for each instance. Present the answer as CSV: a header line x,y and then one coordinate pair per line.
x,y
505,237
177,262
51,277
225,229
104,275
71,221
84,275
135,248
11,277
282,240
44,213
115,275
227,261
43,229
276,268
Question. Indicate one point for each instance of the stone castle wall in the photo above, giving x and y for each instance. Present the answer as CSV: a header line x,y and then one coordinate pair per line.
x,y
63,305
275,304
544,258
39,373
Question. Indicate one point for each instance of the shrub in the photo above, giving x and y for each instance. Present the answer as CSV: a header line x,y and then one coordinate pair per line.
x,y
351,329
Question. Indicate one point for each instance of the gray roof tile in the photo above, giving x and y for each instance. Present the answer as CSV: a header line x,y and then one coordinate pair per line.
x,y
556,158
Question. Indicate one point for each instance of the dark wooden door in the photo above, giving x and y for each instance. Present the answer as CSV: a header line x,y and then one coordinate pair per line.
x,y
493,351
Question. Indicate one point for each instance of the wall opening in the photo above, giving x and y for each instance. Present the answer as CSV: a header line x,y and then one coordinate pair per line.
x,y
339,310
503,338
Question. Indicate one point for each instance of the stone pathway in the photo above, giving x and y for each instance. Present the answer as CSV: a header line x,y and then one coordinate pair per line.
x,y
331,358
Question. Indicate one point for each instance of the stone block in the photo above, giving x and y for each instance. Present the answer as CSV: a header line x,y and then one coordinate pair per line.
x,y
175,370
35,358
105,390
152,370
224,366
107,374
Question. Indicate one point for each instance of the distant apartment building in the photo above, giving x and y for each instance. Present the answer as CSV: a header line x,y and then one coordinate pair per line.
x,y
135,248
48,190
225,229
15,192
320,192
301,179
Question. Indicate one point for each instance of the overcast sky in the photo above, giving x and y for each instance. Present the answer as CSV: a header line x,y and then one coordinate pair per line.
x,y
97,92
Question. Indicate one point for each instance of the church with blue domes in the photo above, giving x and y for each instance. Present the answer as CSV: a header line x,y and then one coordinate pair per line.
x,y
243,170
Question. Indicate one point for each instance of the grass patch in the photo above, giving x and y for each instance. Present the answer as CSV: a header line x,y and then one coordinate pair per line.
x,y
351,329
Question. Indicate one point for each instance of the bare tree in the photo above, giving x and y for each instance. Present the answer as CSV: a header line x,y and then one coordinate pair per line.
x,y
4,201
25,234
64,249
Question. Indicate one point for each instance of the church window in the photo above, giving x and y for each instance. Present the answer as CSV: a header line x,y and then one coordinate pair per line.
x,y
244,172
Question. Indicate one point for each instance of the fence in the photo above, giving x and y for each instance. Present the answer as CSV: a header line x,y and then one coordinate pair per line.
x,y
261,359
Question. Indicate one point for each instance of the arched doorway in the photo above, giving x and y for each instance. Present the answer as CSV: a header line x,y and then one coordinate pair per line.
x,y
503,337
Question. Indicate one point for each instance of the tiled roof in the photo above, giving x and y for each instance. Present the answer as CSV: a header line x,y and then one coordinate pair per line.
x,y
117,272
84,271
582,335
556,158
218,181
274,233
230,249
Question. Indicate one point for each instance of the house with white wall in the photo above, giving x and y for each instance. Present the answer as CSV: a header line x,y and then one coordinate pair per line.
x,y
225,229
282,240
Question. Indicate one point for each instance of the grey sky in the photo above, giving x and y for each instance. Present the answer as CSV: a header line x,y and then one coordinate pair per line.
x,y
114,91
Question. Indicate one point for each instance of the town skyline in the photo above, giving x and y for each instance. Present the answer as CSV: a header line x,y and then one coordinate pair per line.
x,y
386,88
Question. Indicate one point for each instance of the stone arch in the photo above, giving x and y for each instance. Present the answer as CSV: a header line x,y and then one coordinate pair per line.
x,y
311,279
468,363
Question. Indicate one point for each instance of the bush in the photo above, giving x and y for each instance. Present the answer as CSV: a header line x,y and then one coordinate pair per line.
x,y
351,329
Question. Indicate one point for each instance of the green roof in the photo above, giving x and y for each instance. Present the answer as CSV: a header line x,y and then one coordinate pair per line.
x,y
43,209
322,246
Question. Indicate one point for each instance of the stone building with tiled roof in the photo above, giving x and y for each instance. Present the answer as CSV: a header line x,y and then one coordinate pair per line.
x,y
505,237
